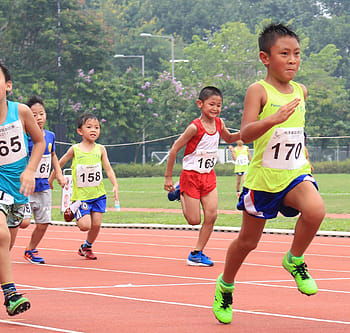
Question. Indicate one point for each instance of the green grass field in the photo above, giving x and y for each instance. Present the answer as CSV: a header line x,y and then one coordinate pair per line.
x,y
149,193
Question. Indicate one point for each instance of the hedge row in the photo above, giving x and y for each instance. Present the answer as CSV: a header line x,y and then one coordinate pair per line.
x,y
151,170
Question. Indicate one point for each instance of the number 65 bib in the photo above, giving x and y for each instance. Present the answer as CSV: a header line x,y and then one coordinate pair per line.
x,y
12,147
285,149
89,175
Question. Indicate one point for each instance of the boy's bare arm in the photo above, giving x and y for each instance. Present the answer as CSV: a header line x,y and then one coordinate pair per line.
x,y
32,128
62,161
227,135
186,136
251,127
58,171
109,172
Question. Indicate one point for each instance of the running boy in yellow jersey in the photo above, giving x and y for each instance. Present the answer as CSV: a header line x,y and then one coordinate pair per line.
x,y
278,178
88,158
241,157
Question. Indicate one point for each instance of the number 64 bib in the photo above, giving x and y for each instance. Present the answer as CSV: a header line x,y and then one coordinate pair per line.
x,y
285,149
89,175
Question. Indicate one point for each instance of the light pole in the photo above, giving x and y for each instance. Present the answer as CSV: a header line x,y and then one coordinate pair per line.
x,y
143,79
134,56
171,37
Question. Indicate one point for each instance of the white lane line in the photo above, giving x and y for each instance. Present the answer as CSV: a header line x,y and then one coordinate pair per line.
x,y
128,285
120,271
109,233
48,328
186,246
175,276
182,259
203,306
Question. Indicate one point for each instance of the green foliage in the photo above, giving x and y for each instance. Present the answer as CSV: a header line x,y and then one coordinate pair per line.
x,y
151,170
219,38
332,167
143,170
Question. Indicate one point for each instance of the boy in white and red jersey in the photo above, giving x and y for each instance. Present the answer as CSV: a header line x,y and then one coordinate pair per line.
x,y
198,179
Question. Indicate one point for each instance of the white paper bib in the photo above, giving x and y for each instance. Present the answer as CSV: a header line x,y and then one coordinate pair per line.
x,y
12,146
44,167
205,160
285,149
89,175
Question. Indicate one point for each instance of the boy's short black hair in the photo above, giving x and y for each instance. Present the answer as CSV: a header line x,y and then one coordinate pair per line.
x,y
6,72
209,91
84,118
34,100
271,33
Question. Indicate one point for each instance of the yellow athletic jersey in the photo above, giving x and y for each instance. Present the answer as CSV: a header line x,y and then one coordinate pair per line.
x,y
87,174
242,159
279,154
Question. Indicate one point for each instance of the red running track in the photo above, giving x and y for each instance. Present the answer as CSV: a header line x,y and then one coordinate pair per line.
x,y
140,283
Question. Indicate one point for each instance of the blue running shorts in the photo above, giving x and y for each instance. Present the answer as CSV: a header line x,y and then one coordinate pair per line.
x,y
267,205
91,205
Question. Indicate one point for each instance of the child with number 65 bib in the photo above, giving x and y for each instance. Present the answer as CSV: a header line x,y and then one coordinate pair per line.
x,y
198,179
88,159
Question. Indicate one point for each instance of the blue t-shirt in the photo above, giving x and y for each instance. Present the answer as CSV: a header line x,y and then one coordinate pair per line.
x,y
42,184
14,148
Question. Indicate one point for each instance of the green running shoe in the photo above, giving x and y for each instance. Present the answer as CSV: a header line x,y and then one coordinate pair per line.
x,y
16,303
222,306
305,283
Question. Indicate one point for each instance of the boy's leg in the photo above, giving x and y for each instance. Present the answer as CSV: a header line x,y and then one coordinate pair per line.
x,y
84,222
5,262
191,209
96,221
30,253
37,235
238,183
15,303
13,235
210,208
247,240
306,199
86,248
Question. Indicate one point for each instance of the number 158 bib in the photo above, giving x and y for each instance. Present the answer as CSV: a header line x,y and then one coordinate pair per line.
x,y
89,175
285,149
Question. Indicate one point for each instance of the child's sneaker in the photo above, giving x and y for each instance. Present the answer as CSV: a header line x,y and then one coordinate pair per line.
x,y
305,283
30,255
174,195
16,303
86,252
222,306
198,259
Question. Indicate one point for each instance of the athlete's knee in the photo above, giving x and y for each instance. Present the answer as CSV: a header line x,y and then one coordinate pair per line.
x,y
247,244
210,217
313,218
314,214
193,220
4,235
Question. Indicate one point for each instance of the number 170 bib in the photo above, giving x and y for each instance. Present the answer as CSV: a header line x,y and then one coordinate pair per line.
x,y
285,149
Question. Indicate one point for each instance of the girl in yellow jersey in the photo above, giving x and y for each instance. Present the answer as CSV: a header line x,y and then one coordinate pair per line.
x,y
278,178
88,159
241,157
